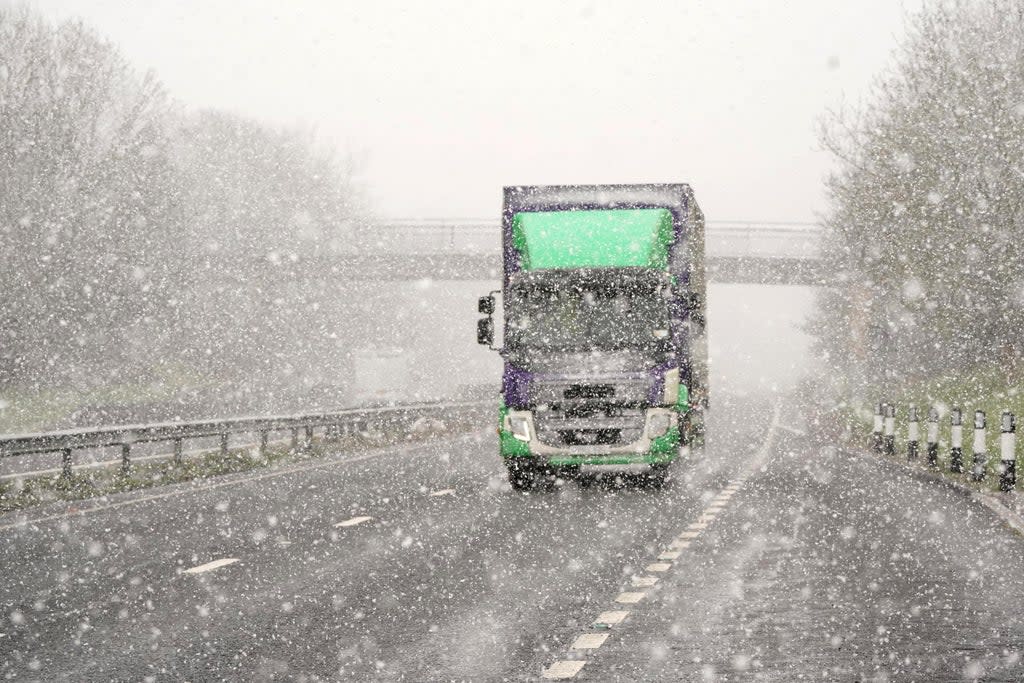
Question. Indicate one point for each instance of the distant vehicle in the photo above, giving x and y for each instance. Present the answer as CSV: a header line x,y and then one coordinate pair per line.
x,y
604,337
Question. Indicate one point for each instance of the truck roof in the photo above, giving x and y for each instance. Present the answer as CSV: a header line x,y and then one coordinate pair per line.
x,y
588,226
677,197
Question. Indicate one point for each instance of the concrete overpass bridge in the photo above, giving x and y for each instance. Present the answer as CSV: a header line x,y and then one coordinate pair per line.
x,y
470,249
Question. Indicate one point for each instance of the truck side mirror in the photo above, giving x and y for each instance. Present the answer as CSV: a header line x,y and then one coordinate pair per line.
x,y
485,305
485,330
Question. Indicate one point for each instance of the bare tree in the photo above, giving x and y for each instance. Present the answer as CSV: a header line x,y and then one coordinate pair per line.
x,y
926,215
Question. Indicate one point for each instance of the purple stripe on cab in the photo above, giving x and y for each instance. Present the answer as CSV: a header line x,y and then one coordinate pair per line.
x,y
515,387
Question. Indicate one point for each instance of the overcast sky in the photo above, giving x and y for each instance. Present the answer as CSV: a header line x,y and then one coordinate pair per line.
x,y
442,103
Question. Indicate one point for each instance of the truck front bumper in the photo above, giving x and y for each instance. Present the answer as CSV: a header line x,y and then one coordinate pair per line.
x,y
648,450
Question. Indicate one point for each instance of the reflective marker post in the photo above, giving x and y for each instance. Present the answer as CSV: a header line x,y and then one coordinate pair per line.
x,y
980,451
933,437
956,441
913,435
890,429
1008,453
876,431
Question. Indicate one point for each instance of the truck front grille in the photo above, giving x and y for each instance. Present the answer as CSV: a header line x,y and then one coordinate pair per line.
x,y
606,426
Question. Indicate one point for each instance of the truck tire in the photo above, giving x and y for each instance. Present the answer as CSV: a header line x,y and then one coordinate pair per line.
x,y
522,474
693,429
658,475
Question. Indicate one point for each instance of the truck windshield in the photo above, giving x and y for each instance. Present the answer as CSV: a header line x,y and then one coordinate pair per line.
x,y
582,314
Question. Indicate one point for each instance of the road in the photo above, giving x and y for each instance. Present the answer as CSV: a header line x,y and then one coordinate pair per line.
x,y
771,557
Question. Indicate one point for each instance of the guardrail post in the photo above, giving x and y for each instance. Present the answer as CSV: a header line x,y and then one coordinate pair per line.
x,y
264,437
1008,453
956,441
295,438
126,459
913,435
177,451
67,462
223,444
890,429
933,437
876,429
307,441
980,451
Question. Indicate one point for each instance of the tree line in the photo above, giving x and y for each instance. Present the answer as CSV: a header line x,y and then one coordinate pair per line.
x,y
138,238
925,228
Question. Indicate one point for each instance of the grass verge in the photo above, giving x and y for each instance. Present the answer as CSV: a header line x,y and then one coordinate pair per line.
x,y
990,390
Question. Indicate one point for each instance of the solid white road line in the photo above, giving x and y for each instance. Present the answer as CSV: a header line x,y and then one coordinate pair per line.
x,y
210,566
562,669
442,492
589,641
353,521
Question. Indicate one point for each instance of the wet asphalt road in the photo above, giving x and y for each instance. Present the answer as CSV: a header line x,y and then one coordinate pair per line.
x,y
822,565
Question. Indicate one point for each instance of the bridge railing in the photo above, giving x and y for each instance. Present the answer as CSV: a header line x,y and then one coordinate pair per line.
x,y
302,428
732,239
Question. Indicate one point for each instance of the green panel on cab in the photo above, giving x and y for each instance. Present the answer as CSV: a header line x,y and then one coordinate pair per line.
x,y
611,238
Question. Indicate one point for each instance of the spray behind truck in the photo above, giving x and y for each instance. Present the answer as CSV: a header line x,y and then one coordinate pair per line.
x,y
604,340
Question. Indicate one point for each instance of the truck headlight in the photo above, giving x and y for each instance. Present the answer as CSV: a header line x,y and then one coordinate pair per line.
x,y
658,424
671,392
520,427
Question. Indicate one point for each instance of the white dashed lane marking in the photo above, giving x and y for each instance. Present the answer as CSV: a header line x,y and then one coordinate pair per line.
x,y
589,641
442,492
611,618
566,668
353,521
210,566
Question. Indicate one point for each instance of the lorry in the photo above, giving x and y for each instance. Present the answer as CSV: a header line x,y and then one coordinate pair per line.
x,y
604,337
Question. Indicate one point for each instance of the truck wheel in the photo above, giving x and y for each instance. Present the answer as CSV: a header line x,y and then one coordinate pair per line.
x,y
657,476
568,472
693,429
522,474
